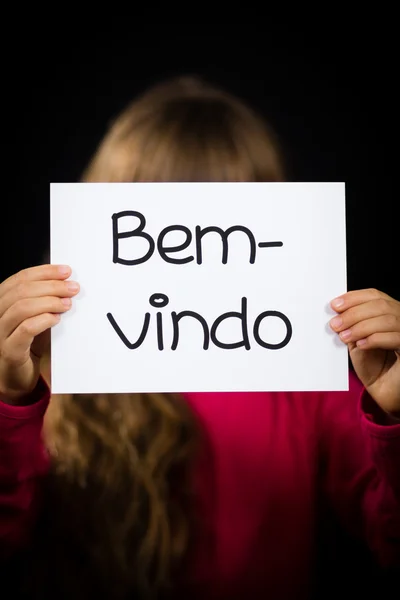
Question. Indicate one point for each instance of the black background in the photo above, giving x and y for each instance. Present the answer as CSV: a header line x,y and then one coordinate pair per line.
x,y
333,107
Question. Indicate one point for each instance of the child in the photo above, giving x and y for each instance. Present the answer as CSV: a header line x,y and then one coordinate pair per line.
x,y
223,496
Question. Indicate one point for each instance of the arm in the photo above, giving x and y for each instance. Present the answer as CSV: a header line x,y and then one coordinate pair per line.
x,y
23,463
361,470
31,302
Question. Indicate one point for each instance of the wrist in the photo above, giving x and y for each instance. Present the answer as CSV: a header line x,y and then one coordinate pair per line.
x,y
393,418
24,398
375,413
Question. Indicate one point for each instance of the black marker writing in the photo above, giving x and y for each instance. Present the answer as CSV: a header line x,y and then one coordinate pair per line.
x,y
165,251
161,300
278,315
224,236
122,336
176,317
243,317
138,232
270,244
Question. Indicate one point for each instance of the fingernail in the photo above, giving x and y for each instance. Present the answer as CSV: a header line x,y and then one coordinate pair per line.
x,y
66,301
72,286
337,302
336,322
64,269
346,334
361,342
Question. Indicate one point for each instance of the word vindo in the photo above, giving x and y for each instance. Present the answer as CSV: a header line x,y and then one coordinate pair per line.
x,y
209,333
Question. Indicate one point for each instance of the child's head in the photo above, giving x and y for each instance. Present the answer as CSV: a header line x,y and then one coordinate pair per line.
x,y
185,130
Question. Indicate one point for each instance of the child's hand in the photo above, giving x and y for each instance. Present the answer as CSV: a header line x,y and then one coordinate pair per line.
x,y
369,323
31,302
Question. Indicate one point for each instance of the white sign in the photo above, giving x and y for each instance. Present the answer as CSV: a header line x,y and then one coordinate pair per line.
x,y
199,287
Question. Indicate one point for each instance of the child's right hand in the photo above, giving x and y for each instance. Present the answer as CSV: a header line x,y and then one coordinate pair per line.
x,y
31,302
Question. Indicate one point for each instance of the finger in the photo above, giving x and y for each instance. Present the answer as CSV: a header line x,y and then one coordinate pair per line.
x,y
35,289
362,312
39,273
31,307
17,347
382,324
383,341
350,299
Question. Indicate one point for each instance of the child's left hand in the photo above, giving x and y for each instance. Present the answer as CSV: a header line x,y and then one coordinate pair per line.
x,y
369,323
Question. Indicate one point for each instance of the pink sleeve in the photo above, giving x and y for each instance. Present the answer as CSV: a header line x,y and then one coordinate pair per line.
x,y
23,461
361,470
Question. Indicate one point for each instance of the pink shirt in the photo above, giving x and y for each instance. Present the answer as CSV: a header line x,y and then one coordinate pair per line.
x,y
269,458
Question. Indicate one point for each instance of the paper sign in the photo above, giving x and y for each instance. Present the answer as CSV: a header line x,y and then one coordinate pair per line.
x,y
199,287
